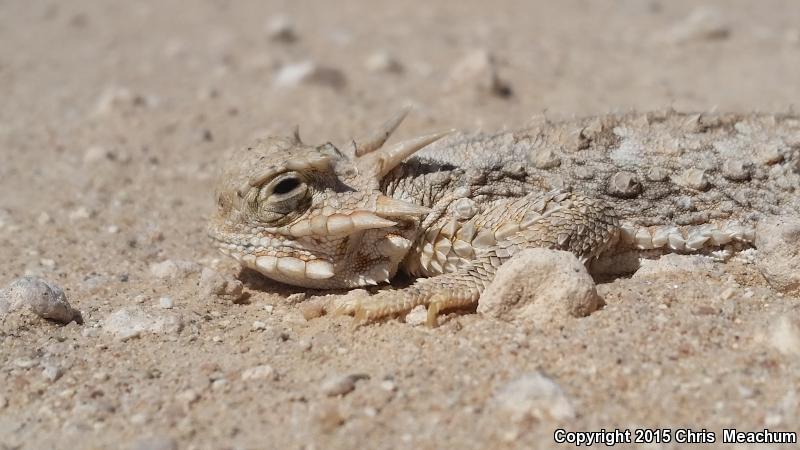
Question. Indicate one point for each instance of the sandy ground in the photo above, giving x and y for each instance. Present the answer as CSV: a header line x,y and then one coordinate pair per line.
x,y
112,121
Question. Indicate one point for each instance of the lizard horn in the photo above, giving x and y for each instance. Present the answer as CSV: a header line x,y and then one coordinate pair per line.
x,y
391,207
296,135
379,136
379,163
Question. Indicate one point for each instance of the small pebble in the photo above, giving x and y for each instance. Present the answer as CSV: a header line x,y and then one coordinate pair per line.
x,y
166,302
259,326
52,372
778,254
5,217
341,384
95,154
478,70
80,213
132,321
101,376
44,219
304,345
115,99
262,372
703,24
296,298
784,336
213,283
533,396
188,397
281,29
417,316
25,363
309,72
44,299
312,310
383,61
173,269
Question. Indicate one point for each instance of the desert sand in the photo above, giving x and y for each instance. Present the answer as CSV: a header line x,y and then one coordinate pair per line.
x,y
113,121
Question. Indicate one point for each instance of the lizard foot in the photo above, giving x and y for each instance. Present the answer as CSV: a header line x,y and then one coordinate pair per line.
x,y
399,302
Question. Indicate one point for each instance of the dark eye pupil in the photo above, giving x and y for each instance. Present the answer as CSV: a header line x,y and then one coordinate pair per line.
x,y
285,186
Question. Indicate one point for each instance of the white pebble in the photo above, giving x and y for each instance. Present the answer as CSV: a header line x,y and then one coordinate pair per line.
x,y
44,219
478,71
95,154
778,256
166,302
309,72
52,372
383,61
262,372
417,316
132,321
213,283
44,299
340,384
541,286
703,24
5,217
173,268
281,29
259,325
80,213
533,396
784,336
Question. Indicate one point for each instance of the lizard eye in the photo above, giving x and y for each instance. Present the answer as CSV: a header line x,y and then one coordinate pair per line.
x,y
286,185
284,188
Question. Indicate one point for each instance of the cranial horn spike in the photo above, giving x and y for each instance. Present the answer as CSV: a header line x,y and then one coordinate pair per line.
x,y
296,135
392,207
379,136
379,163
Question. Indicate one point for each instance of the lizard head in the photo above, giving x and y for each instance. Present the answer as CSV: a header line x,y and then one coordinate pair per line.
x,y
312,216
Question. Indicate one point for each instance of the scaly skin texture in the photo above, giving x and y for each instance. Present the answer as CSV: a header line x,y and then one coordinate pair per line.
x,y
600,187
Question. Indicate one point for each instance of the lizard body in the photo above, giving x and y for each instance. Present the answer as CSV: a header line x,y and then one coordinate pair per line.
x,y
460,207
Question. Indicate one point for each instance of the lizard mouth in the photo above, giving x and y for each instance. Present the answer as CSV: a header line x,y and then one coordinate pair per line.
x,y
284,268
275,258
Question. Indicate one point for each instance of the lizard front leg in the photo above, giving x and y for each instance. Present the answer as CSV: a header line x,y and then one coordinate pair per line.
x,y
557,220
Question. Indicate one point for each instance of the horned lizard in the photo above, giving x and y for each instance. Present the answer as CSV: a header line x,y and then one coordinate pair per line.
x,y
449,211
